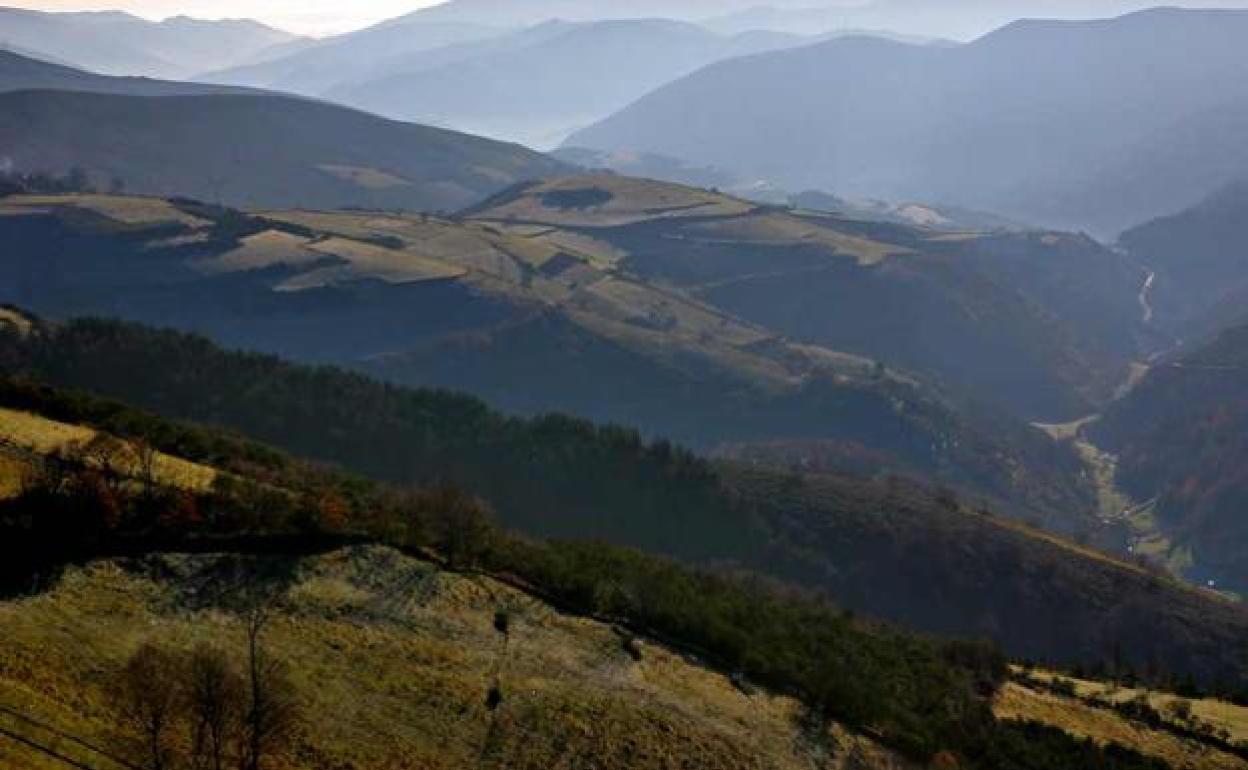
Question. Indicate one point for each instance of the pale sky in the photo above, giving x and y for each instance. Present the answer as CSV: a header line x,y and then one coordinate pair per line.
x,y
311,17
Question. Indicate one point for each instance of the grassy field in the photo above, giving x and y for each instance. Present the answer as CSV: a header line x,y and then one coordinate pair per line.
x,y
265,249
783,229
394,660
610,201
1106,726
124,210
27,432
1223,715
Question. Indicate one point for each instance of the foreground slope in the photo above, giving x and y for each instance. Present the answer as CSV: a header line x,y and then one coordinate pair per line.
x,y
1091,125
416,651
423,643
257,150
395,660
532,318
886,548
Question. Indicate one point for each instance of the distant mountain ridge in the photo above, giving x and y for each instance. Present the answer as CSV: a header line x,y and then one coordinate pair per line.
x,y
21,72
1018,122
535,85
115,43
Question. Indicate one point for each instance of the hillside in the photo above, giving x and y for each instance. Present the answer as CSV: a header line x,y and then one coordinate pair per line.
x,y
23,73
886,548
533,319
1180,440
1042,323
258,150
1199,256
415,652
115,43
526,651
1137,117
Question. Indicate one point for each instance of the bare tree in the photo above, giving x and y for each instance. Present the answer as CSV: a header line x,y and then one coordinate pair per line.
x,y
150,695
271,714
214,703
145,456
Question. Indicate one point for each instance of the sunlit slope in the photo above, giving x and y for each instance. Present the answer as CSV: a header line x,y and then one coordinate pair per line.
x,y
394,660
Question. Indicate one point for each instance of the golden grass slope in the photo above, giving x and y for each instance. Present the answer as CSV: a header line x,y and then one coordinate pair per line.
x,y
631,200
394,660
123,210
1103,725
1221,714
23,434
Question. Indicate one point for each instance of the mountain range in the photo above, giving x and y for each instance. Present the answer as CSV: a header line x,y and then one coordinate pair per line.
x,y
115,43
1018,122
535,86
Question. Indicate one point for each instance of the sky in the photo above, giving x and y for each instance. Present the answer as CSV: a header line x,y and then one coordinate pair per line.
x,y
326,17
309,17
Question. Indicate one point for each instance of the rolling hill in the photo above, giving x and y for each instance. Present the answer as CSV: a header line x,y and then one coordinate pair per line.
x,y
1093,125
1042,323
257,150
535,318
115,43
886,548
